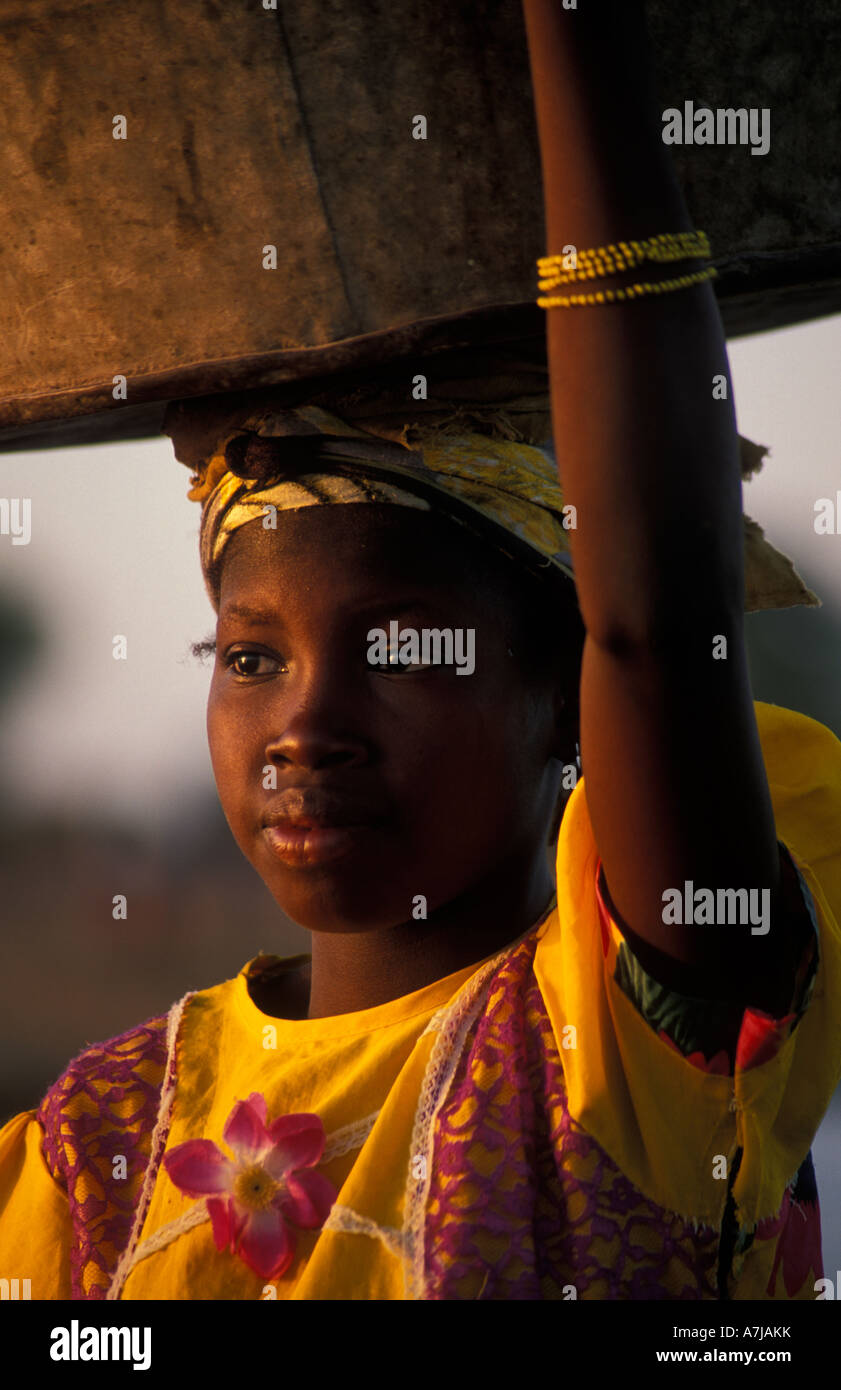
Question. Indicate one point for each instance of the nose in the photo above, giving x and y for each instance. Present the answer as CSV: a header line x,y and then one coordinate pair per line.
x,y
317,726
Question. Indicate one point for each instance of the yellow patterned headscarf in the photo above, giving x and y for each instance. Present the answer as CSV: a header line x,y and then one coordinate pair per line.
x,y
473,452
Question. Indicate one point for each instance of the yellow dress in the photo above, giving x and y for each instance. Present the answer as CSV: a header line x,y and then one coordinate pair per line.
x,y
547,1123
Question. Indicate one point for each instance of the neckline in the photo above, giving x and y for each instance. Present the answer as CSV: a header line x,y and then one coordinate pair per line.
x,y
406,1006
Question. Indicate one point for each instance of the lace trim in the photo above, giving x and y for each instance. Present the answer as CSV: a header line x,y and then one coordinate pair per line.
x,y
351,1136
159,1137
454,1022
196,1216
347,1220
440,1016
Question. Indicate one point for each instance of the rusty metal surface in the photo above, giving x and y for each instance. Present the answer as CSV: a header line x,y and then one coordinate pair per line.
x,y
248,127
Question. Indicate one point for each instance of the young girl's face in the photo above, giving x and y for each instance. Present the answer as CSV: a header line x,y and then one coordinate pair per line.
x,y
419,783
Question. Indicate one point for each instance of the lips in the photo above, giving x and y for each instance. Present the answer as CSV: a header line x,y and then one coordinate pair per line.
x,y
316,808
309,826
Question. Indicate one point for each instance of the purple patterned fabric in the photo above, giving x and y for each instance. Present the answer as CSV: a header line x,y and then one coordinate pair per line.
x,y
101,1109
523,1204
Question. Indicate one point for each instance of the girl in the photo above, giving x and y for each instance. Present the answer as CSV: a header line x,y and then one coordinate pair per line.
x,y
487,1080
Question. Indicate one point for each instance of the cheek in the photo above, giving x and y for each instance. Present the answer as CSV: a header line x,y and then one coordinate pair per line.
x,y
505,746
474,774
232,757
216,731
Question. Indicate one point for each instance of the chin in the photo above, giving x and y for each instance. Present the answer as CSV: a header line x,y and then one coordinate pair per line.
x,y
338,918
340,904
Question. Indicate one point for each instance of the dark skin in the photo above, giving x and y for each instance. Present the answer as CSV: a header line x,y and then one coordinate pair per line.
x,y
464,770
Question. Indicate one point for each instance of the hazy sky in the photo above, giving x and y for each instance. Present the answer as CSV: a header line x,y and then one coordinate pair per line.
x,y
114,550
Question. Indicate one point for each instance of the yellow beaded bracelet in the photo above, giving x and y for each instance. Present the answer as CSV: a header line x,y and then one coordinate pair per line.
x,y
629,292
624,255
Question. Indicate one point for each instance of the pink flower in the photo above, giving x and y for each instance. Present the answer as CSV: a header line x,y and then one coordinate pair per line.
x,y
253,1199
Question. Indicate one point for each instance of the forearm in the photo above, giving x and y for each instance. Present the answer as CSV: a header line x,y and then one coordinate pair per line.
x,y
676,786
646,453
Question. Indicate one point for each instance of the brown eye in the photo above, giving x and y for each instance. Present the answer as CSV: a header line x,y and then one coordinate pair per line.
x,y
247,663
400,667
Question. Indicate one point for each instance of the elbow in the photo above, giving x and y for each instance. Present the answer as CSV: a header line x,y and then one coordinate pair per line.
x,y
671,633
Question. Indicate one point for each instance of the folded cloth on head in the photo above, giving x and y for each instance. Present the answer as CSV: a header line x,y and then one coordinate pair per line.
x,y
477,451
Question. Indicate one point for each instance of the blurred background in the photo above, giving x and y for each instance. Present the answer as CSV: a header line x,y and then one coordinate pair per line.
x,y
105,778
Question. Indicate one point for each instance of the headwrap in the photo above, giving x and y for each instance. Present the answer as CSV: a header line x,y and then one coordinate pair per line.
x,y
475,451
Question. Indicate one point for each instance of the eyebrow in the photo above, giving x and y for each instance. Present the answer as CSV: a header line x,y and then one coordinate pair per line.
x,y
251,615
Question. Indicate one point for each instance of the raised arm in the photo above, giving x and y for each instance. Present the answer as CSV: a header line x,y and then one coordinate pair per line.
x,y
674,777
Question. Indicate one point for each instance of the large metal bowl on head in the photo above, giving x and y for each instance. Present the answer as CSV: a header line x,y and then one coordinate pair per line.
x,y
248,127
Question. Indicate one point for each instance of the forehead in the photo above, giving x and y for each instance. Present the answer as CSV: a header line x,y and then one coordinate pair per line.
x,y
352,544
